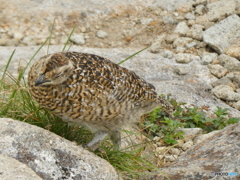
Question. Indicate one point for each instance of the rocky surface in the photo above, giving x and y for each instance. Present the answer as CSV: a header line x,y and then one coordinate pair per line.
x,y
217,153
167,154
14,169
221,35
33,149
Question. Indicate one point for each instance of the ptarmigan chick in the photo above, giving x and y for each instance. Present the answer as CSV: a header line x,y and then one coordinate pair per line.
x,y
92,91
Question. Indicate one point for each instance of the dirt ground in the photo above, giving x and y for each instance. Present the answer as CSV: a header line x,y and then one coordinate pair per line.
x,y
126,25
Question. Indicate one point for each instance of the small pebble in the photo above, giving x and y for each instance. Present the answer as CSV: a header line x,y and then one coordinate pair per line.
x,y
101,34
175,151
78,39
181,70
171,158
187,145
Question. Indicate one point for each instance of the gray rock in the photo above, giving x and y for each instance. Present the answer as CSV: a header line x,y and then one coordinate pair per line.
x,y
219,9
168,19
180,143
200,9
18,35
236,78
11,168
159,144
203,20
196,32
167,54
101,34
3,41
146,21
170,158
230,75
181,49
182,28
225,92
189,133
203,137
190,16
191,22
78,39
233,51
201,44
170,38
217,70
187,145
219,153
207,58
221,35
182,41
237,6
179,17
12,42
174,151
63,39
232,64
185,57
171,5
157,44
49,155
237,105
191,44
28,40
223,81
180,70
185,7
199,2
161,149
156,138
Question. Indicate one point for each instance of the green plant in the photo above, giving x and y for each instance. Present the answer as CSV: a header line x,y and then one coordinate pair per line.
x,y
221,120
195,117
157,124
168,130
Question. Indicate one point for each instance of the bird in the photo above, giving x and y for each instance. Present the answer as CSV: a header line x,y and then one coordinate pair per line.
x,y
92,91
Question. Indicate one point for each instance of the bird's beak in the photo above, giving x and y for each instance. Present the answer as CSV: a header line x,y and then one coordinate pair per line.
x,y
40,80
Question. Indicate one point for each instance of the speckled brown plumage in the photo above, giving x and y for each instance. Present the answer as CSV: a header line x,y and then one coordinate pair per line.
x,y
92,91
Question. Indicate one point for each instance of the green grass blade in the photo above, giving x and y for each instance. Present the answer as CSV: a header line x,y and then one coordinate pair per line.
x,y
8,63
129,57
11,77
50,36
24,70
68,39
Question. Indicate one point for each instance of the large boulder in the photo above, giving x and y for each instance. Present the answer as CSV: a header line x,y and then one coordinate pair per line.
x,y
221,35
48,155
14,169
216,156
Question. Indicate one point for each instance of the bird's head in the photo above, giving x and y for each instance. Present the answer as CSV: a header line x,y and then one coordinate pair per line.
x,y
55,69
